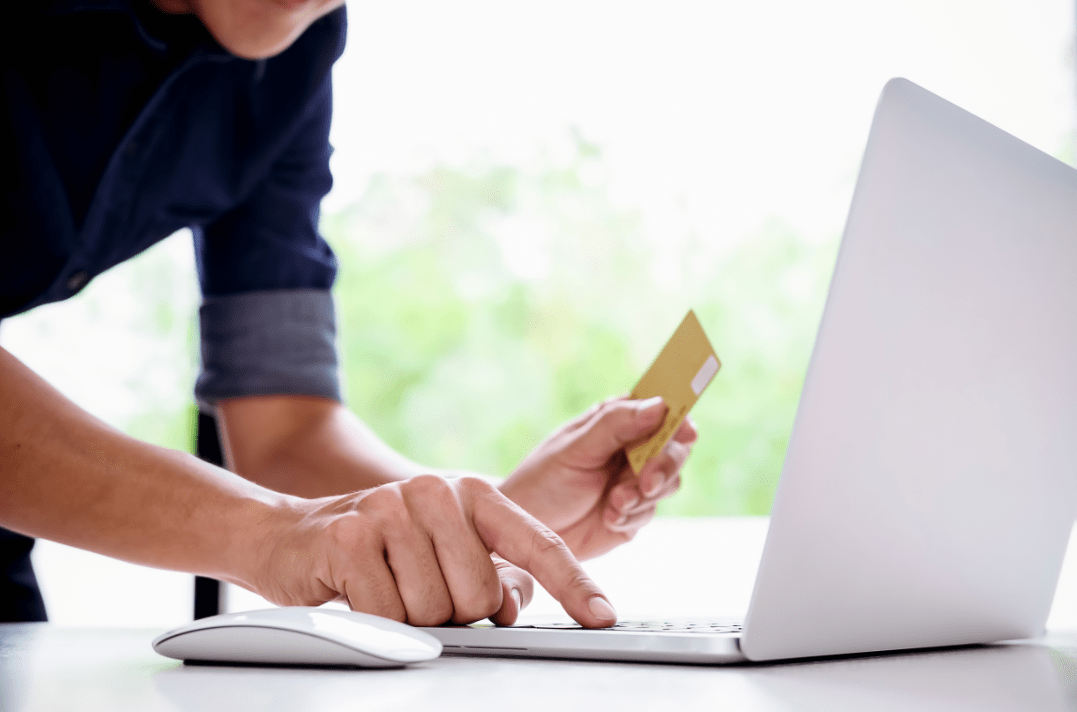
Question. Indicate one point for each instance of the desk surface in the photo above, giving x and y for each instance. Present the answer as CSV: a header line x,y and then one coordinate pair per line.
x,y
46,667
43,667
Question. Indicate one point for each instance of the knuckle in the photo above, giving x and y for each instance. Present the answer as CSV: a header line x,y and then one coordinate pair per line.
x,y
435,611
429,499
674,449
483,603
426,485
612,407
490,598
627,531
387,512
378,498
393,520
475,487
545,542
681,451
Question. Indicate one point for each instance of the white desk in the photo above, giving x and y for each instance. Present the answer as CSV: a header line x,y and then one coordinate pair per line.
x,y
44,667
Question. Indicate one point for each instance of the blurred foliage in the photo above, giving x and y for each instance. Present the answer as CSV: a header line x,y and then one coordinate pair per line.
x,y
481,306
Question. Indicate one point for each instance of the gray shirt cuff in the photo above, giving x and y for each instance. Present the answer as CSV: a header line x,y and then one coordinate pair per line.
x,y
279,342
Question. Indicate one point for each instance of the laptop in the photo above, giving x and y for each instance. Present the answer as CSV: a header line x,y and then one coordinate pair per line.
x,y
930,484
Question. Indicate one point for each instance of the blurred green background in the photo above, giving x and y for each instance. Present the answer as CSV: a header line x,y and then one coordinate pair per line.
x,y
500,274
482,305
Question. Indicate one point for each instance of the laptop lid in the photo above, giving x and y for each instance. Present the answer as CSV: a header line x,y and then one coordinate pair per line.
x,y
930,483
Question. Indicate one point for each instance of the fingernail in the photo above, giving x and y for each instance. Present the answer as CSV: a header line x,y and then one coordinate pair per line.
x,y
630,502
601,609
515,593
656,484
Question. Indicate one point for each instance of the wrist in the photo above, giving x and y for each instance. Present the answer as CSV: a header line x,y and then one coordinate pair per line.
x,y
256,526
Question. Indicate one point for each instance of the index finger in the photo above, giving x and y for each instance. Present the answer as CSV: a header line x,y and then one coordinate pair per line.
x,y
517,537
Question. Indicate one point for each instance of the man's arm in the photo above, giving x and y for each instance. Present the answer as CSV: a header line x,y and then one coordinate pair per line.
x,y
577,482
269,367
417,551
68,477
306,446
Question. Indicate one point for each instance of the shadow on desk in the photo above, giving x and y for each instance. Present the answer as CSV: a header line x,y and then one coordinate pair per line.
x,y
201,688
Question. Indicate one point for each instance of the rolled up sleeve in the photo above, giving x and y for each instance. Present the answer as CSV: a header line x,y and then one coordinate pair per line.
x,y
267,320
277,342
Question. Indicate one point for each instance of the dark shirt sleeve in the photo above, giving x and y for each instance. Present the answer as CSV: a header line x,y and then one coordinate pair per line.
x,y
267,319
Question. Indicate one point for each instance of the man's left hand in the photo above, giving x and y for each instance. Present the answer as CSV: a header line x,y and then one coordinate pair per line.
x,y
578,481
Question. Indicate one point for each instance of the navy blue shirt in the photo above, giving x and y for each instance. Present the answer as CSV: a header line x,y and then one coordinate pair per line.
x,y
122,125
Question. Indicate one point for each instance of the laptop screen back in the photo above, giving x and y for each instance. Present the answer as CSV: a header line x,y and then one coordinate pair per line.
x,y
930,482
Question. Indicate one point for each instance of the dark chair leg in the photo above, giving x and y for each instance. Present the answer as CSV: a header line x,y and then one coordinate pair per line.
x,y
20,597
207,592
207,597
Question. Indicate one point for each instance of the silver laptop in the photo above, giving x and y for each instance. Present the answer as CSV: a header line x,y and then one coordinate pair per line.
x,y
930,484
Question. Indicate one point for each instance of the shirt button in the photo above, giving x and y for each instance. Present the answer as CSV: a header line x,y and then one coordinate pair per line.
x,y
77,281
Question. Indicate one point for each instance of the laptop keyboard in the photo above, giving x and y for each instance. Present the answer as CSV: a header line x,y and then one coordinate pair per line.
x,y
653,626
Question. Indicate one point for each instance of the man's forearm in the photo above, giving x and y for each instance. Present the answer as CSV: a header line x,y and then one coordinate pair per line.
x,y
307,446
417,551
67,477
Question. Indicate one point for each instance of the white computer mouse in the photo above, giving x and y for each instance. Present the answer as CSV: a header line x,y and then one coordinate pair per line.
x,y
299,636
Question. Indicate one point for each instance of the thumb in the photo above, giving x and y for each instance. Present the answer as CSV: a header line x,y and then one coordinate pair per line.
x,y
617,424
517,588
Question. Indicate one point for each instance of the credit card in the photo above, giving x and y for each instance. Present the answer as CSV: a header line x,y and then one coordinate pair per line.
x,y
680,373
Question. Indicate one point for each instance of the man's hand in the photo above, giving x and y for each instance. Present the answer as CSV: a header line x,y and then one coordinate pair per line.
x,y
578,481
419,551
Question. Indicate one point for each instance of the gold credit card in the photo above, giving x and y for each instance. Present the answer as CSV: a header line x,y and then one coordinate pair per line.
x,y
679,374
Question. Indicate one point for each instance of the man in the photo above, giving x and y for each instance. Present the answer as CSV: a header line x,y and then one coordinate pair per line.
x,y
126,120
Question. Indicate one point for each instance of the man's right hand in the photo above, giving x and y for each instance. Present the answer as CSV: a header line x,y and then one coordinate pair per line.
x,y
419,551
